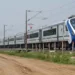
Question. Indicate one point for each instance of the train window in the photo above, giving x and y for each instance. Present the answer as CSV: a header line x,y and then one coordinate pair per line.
x,y
6,40
73,22
19,38
49,32
34,35
0,41
11,39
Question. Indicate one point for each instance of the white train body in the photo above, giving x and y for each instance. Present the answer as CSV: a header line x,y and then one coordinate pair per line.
x,y
34,36
6,41
55,33
12,40
20,39
63,31
1,42
49,34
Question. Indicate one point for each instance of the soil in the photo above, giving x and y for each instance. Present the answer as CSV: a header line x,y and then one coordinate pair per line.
x,y
13,65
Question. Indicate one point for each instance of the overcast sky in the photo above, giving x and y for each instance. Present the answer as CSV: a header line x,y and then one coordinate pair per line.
x,y
12,14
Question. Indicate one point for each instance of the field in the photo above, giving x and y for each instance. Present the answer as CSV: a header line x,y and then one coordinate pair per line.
x,y
57,57
13,65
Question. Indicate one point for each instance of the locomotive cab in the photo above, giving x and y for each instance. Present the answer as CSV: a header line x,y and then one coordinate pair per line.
x,y
71,28
72,21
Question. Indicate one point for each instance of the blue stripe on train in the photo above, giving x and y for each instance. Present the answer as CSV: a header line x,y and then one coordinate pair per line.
x,y
71,31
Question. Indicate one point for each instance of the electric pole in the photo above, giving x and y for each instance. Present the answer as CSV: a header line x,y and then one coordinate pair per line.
x,y
26,25
4,36
26,32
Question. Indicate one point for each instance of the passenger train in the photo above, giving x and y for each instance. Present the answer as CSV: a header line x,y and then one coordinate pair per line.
x,y
56,33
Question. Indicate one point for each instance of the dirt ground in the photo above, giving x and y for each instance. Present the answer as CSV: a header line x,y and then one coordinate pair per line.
x,y
12,65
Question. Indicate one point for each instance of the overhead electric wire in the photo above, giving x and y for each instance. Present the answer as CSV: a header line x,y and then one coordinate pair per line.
x,y
34,16
42,11
59,7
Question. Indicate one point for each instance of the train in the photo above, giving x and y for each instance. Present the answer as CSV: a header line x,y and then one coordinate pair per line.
x,y
52,35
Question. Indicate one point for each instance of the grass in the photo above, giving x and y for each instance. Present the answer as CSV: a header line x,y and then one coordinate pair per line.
x,y
56,57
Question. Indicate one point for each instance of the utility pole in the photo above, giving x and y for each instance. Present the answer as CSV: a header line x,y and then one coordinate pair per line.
x,y
63,41
26,25
26,32
4,36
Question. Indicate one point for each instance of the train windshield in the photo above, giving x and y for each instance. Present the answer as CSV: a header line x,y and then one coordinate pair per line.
x,y
72,21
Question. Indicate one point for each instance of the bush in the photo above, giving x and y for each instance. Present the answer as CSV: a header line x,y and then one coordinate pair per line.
x,y
65,59
53,57
56,58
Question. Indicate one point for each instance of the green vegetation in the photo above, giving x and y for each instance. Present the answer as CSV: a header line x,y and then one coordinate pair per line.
x,y
58,57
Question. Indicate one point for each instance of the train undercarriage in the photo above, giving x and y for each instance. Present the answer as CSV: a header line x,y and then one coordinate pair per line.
x,y
42,46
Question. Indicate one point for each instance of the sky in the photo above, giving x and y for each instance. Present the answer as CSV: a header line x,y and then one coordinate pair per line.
x,y
12,14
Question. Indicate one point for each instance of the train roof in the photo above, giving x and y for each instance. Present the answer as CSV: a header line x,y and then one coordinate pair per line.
x,y
55,24
34,30
72,16
58,23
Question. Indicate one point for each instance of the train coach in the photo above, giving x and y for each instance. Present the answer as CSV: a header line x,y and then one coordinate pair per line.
x,y
20,41
55,34
34,36
1,43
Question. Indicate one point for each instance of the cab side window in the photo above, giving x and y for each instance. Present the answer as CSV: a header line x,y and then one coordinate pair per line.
x,y
66,28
